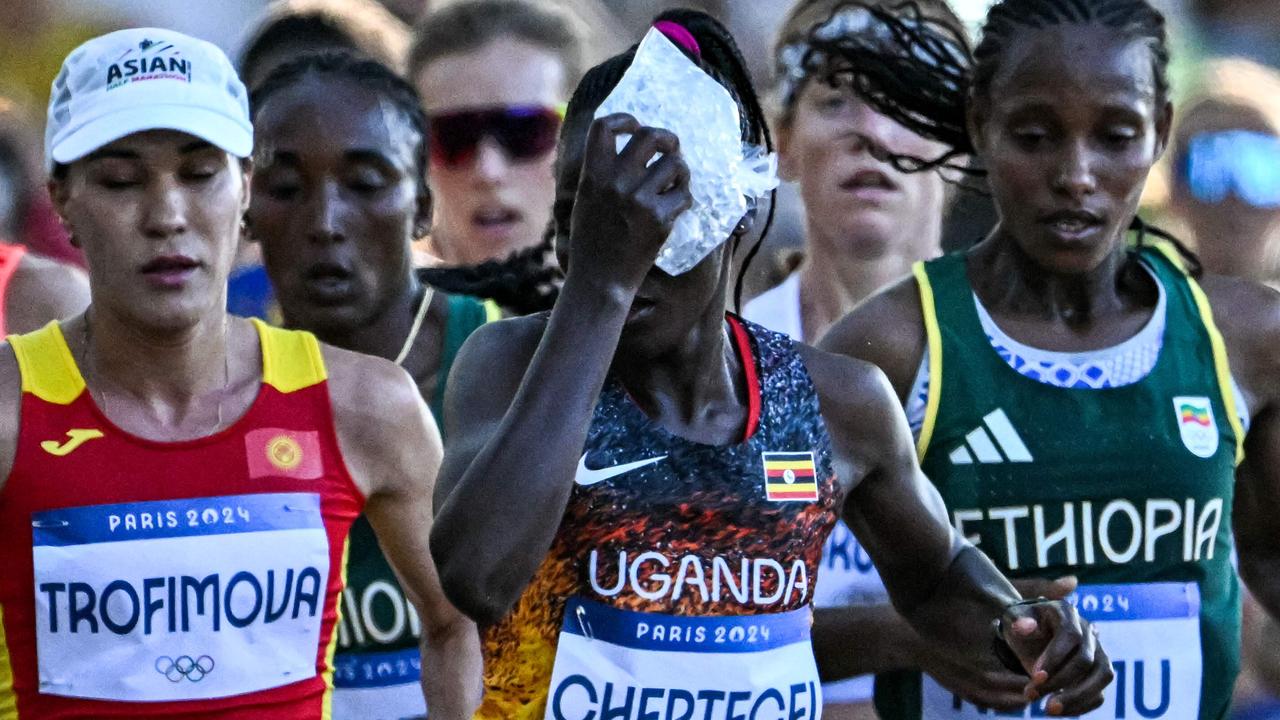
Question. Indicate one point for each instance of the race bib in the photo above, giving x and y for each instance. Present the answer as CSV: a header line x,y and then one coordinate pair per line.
x,y
619,663
378,685
179,599
1151,633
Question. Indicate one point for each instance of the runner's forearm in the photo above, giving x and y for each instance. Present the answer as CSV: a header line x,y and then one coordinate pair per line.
x,y
861,640
1261,573
968,599
452,670
487,558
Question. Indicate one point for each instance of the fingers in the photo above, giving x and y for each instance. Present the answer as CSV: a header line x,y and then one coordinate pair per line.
x,y
1075,669
1086,694
1053,589
1079,654
1000,691
602,136
667,174
982,681
667,182
646,142
1026,636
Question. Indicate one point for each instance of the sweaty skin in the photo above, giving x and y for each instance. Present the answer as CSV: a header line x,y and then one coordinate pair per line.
x,y
343,197
1083,136
43,290
663,338
166,192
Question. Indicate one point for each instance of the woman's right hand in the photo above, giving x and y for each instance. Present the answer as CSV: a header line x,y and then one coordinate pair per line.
x,y
625,205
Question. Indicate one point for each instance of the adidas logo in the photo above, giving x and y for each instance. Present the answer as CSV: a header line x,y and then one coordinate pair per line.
x,y
981,446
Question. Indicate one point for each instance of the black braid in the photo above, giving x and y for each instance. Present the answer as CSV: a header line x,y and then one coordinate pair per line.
x,y
921,83
362,72
913,68
723,60
525,282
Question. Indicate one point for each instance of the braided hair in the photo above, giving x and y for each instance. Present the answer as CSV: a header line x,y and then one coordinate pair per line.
x,y
526,281
920,73
722,60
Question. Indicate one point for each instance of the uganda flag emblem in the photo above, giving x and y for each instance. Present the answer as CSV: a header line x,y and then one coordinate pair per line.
x,y
790,476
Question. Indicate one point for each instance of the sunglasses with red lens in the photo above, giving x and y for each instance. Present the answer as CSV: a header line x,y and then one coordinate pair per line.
x,y
524,132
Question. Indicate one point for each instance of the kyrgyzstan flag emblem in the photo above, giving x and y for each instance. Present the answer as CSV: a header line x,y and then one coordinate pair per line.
x,y
273,452
790,476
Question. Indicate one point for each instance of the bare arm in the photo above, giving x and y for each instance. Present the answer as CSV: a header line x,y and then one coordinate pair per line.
x,y
862,639
10,410
947,590
43,290
1248,314
520,401
393,450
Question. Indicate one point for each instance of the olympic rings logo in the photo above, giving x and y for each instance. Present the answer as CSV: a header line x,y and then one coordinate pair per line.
x,y
184,666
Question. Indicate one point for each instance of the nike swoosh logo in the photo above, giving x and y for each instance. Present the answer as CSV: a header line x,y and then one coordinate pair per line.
x,y
75,438
586,476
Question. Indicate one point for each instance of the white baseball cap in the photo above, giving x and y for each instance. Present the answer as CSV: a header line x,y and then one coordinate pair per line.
x,y
145,79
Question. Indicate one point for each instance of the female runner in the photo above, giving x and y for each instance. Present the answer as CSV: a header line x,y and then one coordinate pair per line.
x,y
1084,397
638,487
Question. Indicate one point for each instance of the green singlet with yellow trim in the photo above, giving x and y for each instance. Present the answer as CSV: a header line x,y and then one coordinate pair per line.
x,y
1128,488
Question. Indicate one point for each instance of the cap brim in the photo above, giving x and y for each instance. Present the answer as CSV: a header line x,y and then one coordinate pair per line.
x,y
213,127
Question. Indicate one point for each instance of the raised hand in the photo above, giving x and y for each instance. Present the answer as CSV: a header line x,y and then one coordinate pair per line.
x,y
626,205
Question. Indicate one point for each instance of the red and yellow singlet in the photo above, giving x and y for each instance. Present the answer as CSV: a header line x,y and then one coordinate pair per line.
x,y
191,579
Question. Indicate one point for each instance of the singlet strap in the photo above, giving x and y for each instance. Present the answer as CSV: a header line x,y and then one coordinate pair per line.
x,y
1221,363
742,341
48,370
10,258
934,338
291,359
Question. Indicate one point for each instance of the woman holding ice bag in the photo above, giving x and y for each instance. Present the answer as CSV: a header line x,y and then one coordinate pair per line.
x,y
637,487
1090,404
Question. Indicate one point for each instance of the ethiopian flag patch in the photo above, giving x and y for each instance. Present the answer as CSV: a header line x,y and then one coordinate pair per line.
x,y
790,476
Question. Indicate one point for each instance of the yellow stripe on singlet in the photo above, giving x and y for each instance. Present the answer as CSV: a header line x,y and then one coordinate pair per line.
x,y
48,370
326,707
492,313
8,699
934,337
787,465
1221,363
291,359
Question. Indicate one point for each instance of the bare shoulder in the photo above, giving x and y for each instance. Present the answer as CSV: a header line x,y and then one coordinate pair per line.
x,y
509,342
1248,315
10,409
1243,308
384,428
42,290
859,406
887,330
364,384
489,369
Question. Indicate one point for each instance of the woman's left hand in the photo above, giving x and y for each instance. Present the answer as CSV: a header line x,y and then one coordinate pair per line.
x,y
1060,652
